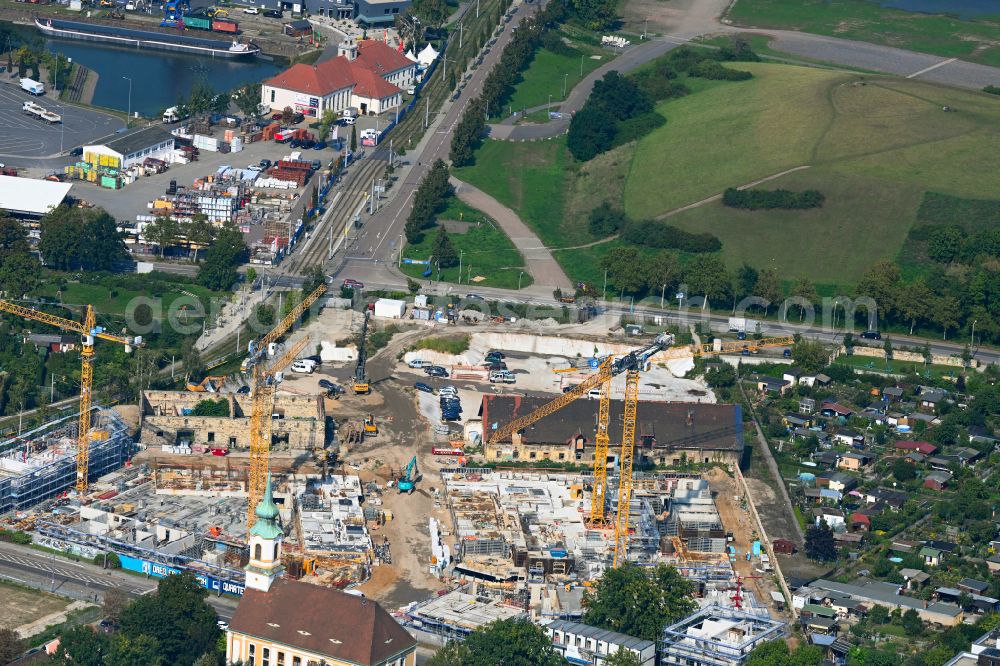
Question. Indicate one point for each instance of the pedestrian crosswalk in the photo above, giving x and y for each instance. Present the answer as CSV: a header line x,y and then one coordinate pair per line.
x,y
62,571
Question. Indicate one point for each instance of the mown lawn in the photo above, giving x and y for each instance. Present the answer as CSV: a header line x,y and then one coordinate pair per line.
x,y
529,178
546,75
116,301
485,250
972,39
873,147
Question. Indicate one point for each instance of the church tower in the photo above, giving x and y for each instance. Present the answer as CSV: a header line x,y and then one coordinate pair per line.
x,y
265,545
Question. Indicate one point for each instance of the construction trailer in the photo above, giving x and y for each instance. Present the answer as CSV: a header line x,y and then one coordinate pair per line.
x,y
41,464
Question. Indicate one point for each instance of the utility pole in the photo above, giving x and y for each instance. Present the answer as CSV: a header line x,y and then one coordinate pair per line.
x,y
460,254
427,113
461,31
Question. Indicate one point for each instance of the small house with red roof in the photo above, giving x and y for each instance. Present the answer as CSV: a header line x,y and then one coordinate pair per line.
x,y
925,448
368,75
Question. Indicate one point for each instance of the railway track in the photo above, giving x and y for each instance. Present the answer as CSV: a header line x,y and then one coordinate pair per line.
x,y
347,197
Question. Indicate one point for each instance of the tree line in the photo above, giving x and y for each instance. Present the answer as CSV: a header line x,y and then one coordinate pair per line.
x,y
499,84
620,108
605,220
428,200
757,199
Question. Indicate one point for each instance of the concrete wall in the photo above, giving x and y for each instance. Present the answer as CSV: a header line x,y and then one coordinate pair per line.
x,y
910,357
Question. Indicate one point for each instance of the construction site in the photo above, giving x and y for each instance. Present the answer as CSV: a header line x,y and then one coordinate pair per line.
x,y
381,482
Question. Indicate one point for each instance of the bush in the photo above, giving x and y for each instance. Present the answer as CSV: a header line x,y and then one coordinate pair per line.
x,y
554,43
15,536
606,220
753,199
638,127
211,408
592,131
656,234
449,345
993,90
710,69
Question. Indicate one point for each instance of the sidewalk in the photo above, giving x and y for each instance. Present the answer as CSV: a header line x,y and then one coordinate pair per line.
x,y
540,263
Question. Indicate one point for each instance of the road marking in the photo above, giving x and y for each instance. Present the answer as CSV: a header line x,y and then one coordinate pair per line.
x,y
927,69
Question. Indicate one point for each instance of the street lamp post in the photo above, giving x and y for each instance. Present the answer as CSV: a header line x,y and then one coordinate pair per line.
x,y
520,275
565,79
972,338
128,118
662,292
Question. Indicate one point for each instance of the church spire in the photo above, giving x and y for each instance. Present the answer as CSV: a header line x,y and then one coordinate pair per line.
x,y
265,544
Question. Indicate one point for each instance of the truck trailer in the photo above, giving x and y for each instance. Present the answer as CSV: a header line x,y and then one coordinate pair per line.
x,y
32,86
38,111
744,325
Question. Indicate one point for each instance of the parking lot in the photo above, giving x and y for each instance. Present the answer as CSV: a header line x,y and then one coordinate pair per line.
x,y
24,137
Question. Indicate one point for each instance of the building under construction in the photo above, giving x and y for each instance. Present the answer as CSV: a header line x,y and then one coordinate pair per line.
x,y
717,636
41,464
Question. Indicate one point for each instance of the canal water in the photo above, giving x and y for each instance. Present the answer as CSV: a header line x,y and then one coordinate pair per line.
x,y
964,9
159,78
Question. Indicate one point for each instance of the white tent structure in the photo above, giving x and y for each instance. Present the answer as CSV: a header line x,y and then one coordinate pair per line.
x,y
409,54
427,56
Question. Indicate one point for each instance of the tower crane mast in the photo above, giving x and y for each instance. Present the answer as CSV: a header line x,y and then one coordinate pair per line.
x,y
88,331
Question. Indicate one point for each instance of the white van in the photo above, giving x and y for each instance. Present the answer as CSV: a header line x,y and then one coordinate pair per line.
x,y
348,120
303,366
594,394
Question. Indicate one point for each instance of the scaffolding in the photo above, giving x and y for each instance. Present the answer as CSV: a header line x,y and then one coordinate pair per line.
x,y
717,636
41,464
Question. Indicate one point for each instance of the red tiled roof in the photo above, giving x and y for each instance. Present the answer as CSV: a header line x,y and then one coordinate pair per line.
x,y
379,57
925,448
321,620
369,84
322,79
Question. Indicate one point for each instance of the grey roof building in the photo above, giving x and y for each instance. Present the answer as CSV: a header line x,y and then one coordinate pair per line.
x,y
581,641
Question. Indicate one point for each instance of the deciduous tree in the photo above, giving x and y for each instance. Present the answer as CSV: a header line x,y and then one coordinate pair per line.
x,y
632,601
820,544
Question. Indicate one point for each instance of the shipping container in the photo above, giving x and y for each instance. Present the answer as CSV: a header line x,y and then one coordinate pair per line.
x,y
225,26
198,22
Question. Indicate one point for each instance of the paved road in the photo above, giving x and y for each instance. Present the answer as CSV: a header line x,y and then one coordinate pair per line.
x,y
539,261
79,580
377,243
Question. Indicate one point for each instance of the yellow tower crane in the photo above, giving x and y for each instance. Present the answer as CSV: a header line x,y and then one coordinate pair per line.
x,y
262,411
609,367
88,332
262,398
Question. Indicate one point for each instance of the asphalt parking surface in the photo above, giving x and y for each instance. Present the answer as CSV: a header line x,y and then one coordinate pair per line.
x,y
24,139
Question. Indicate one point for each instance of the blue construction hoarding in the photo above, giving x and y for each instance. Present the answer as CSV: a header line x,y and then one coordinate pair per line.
x,y
159,570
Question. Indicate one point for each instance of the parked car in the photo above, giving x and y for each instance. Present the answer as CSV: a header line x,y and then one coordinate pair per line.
x,y
265,164
436,371
418,363
303,366
273,13
502,377
243,390
495,365
871,335
319,145
475,297
449,391
250,10
76,152
327,384
420,386
315,358
495,352
353,284
277,116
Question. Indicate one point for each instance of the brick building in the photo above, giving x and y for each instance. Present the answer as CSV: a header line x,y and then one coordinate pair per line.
x,y
667,433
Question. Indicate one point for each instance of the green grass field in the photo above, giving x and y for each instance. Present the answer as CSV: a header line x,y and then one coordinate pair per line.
x,y
975,40
485,249
897,367
873,147
547,74
116,302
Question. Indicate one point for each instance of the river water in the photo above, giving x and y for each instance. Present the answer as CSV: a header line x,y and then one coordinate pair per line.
x,y
159,78
965,9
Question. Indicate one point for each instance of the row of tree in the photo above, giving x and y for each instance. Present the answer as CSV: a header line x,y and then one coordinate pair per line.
x,y
428,200
757,199
173,625
497,87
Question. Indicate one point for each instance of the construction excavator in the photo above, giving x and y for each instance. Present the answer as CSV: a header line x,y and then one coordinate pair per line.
x,y
408,481
360,384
